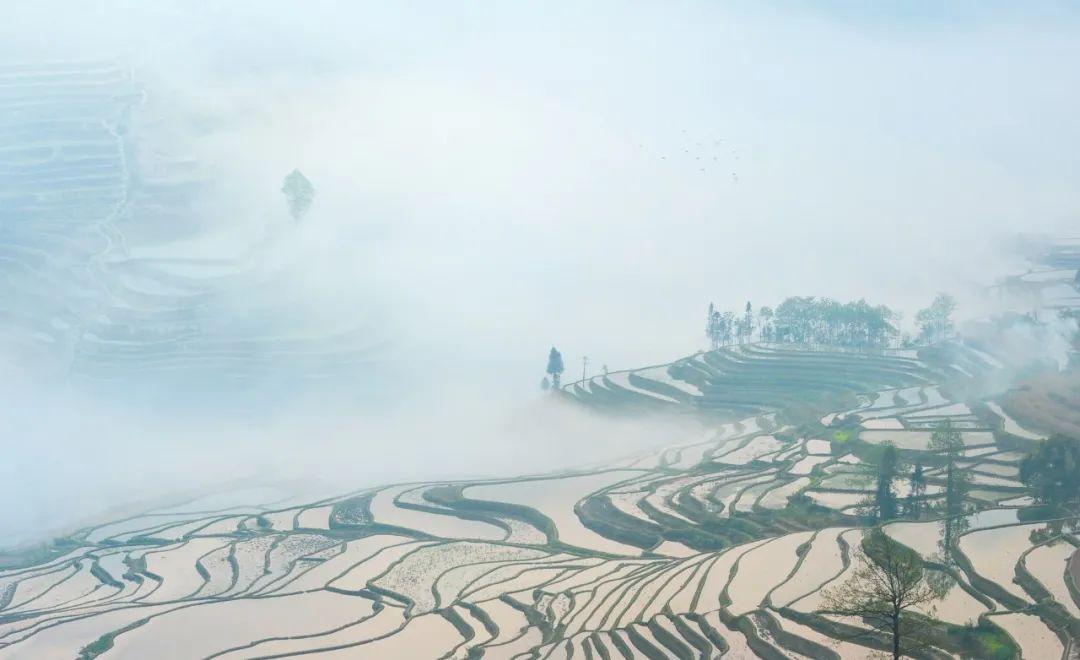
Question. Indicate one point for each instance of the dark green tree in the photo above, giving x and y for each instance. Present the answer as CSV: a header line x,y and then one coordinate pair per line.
x,y
714,325
885,505
804,320
555,367
1052,472
765,315
948,442
916,491
727,327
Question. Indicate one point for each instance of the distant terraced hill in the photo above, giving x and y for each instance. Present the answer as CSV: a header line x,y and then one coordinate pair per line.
x,y
759,379
1051,280
104,278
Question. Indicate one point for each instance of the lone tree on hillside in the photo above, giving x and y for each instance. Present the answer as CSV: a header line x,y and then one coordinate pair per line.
x,y
765,315
947,441
299,194
885,502
555,367
935,322
916,491
746,329
713,327
887,584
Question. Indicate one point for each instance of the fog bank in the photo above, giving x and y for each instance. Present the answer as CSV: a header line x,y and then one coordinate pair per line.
x,y
492,181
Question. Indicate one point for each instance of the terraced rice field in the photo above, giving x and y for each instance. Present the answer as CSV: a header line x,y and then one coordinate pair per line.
x,y
710,547
109,272
713,546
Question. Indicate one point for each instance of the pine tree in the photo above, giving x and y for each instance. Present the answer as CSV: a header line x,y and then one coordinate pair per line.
x,y
712,327
947,441
884,496
916,491
555,367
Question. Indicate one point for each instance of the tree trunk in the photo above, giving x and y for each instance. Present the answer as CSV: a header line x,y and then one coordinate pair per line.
x,y
896,635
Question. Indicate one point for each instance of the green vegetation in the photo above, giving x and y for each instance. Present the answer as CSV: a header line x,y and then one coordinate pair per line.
x,y
1052,472
886,588
885,506
782,455
104,643
949,444
916,491
555,367
935,321
805,320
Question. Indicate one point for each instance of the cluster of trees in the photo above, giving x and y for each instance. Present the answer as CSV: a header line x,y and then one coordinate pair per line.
x,y
890,585
1052,472
810,320
935,322
726,328
886,505
805,320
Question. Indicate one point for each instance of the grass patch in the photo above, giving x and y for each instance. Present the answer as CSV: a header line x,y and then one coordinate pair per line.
x,y
105,642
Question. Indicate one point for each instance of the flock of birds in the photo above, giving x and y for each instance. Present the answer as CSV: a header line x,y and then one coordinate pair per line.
x,y
705,155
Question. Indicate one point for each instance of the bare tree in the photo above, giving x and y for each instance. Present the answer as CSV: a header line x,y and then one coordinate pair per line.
x,y
885,586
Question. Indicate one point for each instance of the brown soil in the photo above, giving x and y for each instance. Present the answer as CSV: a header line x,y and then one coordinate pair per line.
x,y
1048,403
